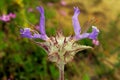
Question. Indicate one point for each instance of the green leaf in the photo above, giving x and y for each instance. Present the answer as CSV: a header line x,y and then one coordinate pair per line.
x,y
86,77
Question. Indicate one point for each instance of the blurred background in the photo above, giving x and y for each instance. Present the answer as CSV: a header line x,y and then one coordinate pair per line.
x,y
21,59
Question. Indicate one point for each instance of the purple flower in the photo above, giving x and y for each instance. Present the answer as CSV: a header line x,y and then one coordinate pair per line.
x,y
12,15
77,29
95,42
37,27
63,3
5,18
30,9
63,13
28,33
8,17
50,4
61,49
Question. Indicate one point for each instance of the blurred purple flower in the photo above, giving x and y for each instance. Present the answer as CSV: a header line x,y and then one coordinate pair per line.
x,y
8,17
77,29
95,42
30,9
63,3
5,18
28,33
12,15
37,27
63,13
50,4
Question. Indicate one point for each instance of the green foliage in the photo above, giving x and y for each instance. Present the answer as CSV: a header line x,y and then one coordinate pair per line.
x,y
86,77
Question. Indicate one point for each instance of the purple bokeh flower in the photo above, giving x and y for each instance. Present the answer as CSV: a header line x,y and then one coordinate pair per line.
x,y
37,27
12,15
77,29
50,4
8,17
95,42
30,9
28,33
63,13
5,18
63,3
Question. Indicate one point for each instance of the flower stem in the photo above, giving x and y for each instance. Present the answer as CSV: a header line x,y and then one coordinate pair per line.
x,y
61,72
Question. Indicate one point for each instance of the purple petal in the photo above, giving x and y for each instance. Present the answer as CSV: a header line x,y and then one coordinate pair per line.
x,y
75,21
94,33
36,36
42,20
76,11
26,33
43,37
82,36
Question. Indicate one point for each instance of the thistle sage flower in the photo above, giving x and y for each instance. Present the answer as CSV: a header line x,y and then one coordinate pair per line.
x,y
60,49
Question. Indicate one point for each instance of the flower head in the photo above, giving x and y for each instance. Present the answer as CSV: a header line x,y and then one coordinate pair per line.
x,y
60,49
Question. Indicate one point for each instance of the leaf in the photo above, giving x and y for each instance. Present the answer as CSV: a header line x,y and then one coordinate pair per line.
x,y
86,77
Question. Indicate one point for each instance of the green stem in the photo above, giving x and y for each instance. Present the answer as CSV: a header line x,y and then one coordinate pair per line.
x,y
61,72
